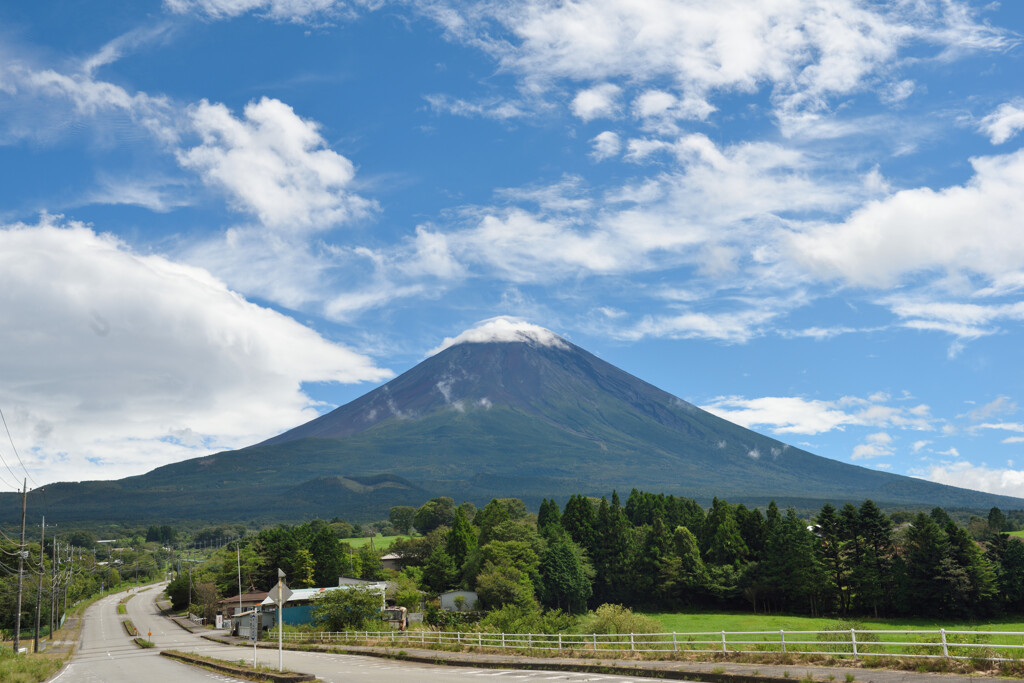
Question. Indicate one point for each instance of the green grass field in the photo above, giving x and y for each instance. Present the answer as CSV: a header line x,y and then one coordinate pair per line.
x,y
1018,534
714,622
379,542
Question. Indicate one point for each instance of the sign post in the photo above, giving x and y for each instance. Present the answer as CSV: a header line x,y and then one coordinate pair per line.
x,y
283,593
254,632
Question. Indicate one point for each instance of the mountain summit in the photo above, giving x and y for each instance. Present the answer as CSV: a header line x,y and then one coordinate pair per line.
x,y
504,409
509,408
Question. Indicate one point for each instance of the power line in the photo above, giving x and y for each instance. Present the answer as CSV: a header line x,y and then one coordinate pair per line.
x,y
4,419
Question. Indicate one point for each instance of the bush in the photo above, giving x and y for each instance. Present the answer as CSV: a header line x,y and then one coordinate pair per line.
x,y
177,592
346,609
614,619
516,619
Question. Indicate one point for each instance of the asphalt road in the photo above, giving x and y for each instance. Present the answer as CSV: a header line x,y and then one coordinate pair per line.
x,y
107,655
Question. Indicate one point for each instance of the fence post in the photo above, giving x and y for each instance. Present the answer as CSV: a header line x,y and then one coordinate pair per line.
x,y
529,641
945,649
595,641
782,639
675,645
632,645
559,643
502,640
723,643
853,641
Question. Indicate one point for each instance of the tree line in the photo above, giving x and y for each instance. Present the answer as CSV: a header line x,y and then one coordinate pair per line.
x,y
665,553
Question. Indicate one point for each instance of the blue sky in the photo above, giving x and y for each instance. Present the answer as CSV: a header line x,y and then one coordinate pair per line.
x,y
220,218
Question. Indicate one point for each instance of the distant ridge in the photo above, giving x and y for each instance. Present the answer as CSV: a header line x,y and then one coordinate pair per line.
x,y
506,409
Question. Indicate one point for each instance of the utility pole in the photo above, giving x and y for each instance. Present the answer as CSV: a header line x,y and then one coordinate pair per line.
x,y
39,591
21,566
53,589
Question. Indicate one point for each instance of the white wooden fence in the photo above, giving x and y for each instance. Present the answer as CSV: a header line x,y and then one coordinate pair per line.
x,y
855,643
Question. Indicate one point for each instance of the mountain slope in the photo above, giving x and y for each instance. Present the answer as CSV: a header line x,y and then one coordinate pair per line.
x,y
527,415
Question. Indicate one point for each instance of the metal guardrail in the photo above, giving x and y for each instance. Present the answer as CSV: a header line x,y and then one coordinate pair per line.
x,y
855,643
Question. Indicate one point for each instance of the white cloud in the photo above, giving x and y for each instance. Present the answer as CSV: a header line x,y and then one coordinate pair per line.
x,y
797,415
971,228
274,165
597,102
1005,122
494,108
606,145
1006,482
734,327
503,329
154,357
804,51
918,445
878,445
966,321
281,10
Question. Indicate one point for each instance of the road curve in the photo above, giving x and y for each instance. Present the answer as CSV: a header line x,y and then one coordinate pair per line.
x,y
107,655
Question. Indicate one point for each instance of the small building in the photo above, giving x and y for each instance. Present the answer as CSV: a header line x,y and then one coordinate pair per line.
x,y
392,561
232,609
451,601
299,608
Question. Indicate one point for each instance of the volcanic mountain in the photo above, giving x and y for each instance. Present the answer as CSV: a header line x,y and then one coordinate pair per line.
x,y
506,410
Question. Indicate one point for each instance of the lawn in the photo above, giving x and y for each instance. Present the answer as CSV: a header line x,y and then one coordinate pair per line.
x,y
1018,534
703,622
379,542
739,628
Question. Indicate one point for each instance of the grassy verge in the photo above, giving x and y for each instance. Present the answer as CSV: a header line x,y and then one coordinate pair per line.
x,y
237,668
28,668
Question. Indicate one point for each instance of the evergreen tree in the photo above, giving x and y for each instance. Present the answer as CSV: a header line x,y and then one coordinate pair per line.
x,y
613,558
440,572
579,521
493,514
683,578
566,574
723,543
833,558
461,539
872,575
548,516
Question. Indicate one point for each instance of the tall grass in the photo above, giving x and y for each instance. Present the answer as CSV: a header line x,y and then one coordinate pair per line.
x,y
27,668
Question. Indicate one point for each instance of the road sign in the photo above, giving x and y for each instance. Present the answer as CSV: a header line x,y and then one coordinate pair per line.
x,y
282,593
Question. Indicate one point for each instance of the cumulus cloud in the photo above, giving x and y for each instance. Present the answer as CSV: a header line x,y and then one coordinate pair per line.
x,y
877,445
503,329
606,145
971,228
1002,481
804,51
158,361
599,101
797,415
1005,122
274,165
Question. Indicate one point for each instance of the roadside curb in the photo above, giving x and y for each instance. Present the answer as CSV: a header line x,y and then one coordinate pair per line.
x,y
238,671
724,672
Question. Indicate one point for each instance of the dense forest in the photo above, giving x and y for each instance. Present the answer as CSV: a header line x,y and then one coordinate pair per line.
x,y
656,552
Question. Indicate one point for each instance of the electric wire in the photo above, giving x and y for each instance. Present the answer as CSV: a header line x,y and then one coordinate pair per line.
x,y
11,439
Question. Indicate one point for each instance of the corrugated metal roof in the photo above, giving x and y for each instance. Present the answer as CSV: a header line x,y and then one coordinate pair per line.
x,y
305,594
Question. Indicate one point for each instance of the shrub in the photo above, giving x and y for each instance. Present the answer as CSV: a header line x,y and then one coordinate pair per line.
x,y
614,619
516,619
